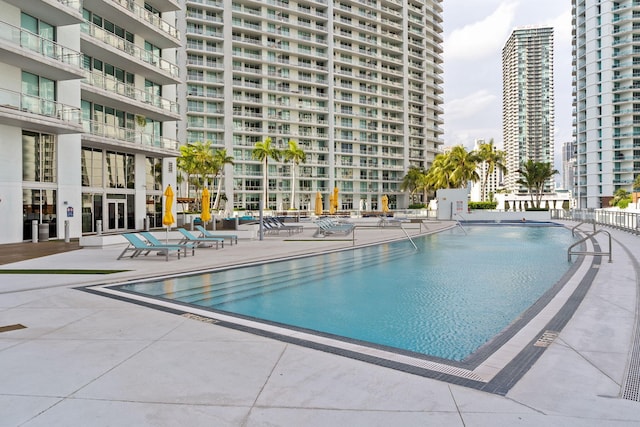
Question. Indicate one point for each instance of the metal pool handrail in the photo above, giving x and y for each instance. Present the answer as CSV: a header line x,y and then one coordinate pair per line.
x,y
353,233
459,223
588,236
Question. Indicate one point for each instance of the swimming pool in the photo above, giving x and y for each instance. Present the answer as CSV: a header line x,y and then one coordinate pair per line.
x,y
446,300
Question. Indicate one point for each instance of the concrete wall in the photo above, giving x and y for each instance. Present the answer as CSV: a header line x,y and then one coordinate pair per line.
x,y
452,202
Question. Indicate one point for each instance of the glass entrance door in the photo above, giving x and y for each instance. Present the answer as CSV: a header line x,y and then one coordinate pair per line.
x,y
117,215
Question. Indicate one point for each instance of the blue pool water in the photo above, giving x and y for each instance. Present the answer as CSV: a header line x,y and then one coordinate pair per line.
x,y
446,299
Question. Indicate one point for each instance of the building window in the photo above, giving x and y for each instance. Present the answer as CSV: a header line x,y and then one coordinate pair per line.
x,y
46,32
39,157
153,174
39,94
120,170
39,205
91,164
91,211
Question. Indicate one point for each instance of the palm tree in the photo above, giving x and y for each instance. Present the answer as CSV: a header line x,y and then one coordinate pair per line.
x,y
636,183
203,157
424,185
220,160
492,159
465,165
412,182
196,159
262,151
295,155
187,164
534,175
439,174
621,198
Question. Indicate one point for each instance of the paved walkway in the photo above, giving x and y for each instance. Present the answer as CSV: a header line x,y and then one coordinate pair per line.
x,y
14,252
84,359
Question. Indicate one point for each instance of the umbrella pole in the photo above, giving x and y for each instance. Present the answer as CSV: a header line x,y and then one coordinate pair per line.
x,y
260,217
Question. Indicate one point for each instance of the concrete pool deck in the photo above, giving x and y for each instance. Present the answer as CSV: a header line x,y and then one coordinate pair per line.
x,y
84,359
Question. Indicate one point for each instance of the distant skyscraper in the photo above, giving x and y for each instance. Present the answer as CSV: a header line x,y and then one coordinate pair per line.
x,y
357,84
494,180
606,93
568,165
528,101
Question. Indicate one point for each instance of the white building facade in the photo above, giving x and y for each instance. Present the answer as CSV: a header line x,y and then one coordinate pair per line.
x,y
606,102
568,165
357,84
494,180
528,111
87,115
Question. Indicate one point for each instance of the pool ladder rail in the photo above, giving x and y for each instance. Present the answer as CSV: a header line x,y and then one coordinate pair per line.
x,y
588,236
459,224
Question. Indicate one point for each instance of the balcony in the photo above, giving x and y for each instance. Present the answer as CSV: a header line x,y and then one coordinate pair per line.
x,y
95,41
32,112
99,88
35,54
167,5
56,12
137,19
104,135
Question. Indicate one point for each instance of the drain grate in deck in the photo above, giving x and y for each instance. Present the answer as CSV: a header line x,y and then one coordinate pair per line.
x,y
631,386
631,389
546,339
199,318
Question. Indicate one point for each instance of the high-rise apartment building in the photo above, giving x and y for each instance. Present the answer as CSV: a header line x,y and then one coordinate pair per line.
x,y
606,93
528,101
357,84
481,190
88,114
90,94
568,165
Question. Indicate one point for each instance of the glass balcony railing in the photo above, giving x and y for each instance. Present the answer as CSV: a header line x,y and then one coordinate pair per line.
x,y
42,46
149,17
40,106
112,85
133,136
131,49
73,4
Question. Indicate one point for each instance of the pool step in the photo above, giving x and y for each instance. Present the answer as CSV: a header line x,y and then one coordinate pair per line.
x,y
239,288
231,280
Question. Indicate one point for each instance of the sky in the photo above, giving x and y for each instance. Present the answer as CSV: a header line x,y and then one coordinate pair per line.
x,y
475,32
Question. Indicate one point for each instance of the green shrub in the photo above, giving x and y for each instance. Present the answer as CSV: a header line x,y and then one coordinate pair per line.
x,y
624,203
483,205
417,206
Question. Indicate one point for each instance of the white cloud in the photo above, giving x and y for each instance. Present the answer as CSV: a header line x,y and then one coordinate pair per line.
x,y
470,106
482,38
562,28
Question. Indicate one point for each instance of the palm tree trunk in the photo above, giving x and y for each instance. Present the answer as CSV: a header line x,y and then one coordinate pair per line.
x,y
265,183
484,185
219,189
293,185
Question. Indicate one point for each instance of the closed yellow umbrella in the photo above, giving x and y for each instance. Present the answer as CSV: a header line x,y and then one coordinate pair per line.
x,y
168,219
318,208
206,211
385,203
332,210
335,199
